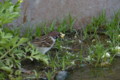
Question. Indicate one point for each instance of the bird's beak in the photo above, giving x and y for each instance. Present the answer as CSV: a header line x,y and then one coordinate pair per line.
x,y
62,35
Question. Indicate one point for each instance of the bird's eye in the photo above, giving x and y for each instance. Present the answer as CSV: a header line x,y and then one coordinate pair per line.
x,y
55,37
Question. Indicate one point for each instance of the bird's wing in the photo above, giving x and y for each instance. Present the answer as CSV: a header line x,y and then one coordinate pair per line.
x,y
44,41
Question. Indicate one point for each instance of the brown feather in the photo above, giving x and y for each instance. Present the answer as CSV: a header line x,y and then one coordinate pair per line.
x,y
45,41
42,42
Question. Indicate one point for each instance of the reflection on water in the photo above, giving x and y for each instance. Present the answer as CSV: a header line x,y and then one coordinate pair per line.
x,y
88,73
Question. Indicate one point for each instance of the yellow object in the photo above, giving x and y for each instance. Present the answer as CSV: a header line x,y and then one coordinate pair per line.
x,y
20,1
62,35
119,36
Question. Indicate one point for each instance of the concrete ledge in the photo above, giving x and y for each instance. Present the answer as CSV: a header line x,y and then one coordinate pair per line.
x,y
36,11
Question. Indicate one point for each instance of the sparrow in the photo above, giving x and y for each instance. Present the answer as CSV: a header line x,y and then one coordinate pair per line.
x,y
46,42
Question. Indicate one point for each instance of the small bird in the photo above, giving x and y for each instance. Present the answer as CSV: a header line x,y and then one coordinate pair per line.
x,y
46,42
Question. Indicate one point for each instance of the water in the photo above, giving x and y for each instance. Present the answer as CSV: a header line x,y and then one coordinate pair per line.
x,y
90,73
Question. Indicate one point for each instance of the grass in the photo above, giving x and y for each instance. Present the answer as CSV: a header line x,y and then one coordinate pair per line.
x,y
49,75
99,54
96,23
66,24
69,52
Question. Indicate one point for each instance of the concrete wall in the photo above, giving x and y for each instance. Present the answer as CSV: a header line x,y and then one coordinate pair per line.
x,y
35,11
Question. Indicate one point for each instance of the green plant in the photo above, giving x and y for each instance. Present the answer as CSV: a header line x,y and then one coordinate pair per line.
x,y
35,54
53,63
52,26
95,25
10,51
66,24
45,28
48,29
49,75
62,27
37,75
14,31
38,31
66,60
13,51
9,11
9,44
98,54
113,30
2,76
61,62
28,33
71,21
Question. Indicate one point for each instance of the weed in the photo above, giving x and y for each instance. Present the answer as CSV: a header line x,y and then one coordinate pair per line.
x,y
66,24
38,31
14,31
48,29
53,64
95,25
8,12
98,54
49,75
113,29
10,51
71,22
14,49
62,27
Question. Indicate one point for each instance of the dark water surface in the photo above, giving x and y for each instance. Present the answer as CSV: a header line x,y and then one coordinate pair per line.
x,y
90,73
